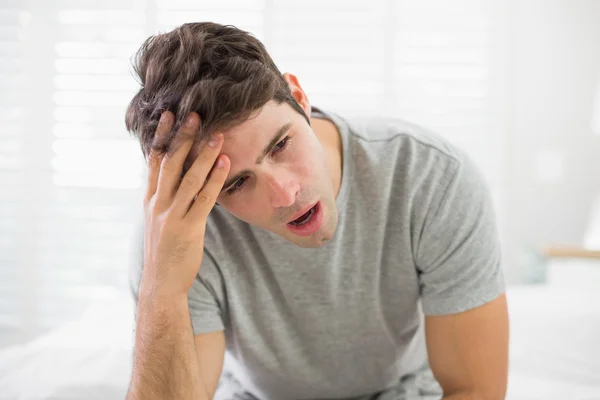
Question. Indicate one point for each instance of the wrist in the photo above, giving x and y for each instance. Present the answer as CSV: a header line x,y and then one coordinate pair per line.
x,y
161,310
153,288
157,297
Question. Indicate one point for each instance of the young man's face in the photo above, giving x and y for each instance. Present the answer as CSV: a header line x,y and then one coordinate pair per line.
x,y
289,179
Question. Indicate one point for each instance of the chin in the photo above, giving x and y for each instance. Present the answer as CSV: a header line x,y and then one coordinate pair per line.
x,y
308,243
313,243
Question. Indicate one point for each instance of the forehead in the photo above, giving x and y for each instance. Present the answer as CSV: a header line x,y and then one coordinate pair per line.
x,y
260,127
247,139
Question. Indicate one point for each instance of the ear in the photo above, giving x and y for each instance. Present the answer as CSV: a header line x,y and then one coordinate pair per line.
x,y
297,92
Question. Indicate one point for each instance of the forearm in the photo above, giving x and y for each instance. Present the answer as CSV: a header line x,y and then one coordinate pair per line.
x,y
469,395
460,396
165,361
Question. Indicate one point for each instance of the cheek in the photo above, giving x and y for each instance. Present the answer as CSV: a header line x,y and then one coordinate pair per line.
x,y
244,208
237,208
307,160
305,171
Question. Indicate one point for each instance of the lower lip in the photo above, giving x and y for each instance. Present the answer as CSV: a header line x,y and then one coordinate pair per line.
x,y
311,226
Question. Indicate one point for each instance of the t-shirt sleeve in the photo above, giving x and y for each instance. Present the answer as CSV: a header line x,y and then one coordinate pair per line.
x,y
458,256
205,297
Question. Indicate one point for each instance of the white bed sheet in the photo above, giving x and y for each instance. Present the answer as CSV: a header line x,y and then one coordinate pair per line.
x,y
555,343
554,352
89,358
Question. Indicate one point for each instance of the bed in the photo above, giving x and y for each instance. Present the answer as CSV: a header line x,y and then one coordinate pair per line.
x,y
554,351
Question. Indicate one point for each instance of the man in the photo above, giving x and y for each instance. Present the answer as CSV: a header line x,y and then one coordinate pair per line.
x,y
345,258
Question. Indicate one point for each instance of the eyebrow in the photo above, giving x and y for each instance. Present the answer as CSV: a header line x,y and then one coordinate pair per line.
x,y
276,137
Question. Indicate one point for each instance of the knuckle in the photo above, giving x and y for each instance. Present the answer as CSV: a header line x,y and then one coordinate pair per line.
x,y
187,131
164,120
167,163
154,159
153,163
149,198
151,206
189,182
203,198
171,222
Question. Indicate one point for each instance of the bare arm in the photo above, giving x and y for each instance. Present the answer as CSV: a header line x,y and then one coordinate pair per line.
x,y
211,351
167,364
468,351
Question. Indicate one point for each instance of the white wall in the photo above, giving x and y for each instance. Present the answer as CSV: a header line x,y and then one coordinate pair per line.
x,y
552,170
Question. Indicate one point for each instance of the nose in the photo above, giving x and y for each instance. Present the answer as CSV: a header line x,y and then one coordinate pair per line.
x,y
282,188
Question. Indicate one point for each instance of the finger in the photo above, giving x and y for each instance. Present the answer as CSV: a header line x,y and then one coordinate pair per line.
x,y
195,177
172,162
206,198
155,157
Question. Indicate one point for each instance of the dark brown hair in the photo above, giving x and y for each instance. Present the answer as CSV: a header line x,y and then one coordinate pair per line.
x,y
219,71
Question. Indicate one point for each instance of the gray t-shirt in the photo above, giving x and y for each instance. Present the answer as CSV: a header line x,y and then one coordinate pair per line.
x,y
416,236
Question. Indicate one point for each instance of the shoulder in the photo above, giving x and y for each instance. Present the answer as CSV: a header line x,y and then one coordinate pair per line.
x,y
415,165
390,130
403,146
413,153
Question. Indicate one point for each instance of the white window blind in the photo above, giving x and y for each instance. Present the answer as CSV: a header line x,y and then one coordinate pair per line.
x,y
336,48
72,178
70,172
96,167
13,19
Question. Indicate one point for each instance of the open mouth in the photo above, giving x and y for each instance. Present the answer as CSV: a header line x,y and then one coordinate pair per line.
x,y
304,218
307,223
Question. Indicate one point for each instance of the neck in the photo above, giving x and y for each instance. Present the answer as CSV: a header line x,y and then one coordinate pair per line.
x,y
330,138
